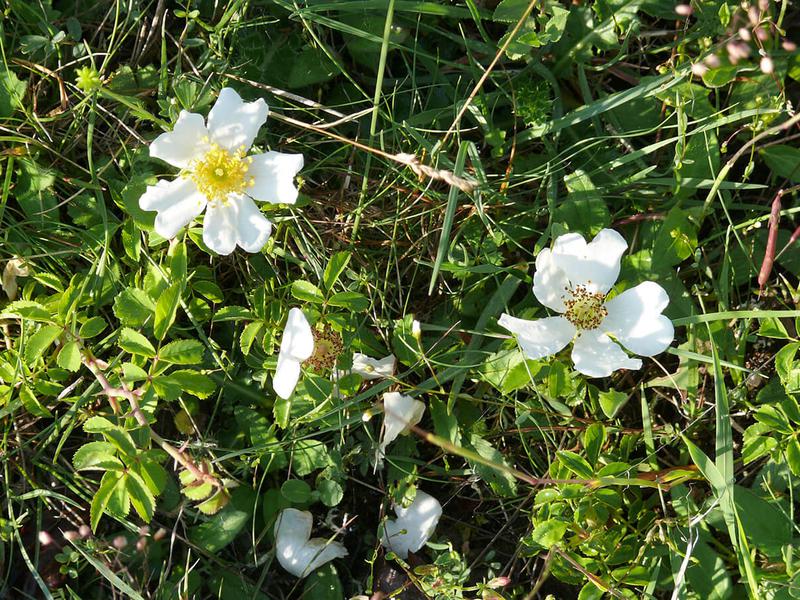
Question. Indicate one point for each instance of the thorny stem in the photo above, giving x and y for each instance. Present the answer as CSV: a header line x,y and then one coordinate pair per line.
x,y
132,396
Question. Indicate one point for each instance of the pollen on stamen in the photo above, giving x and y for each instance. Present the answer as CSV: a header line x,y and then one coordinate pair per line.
x,y
220,173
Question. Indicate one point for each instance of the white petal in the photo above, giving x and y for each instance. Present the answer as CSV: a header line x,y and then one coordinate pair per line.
x,y
253,228
371,368
550,284
274,174
177,202
539,338
594,265
635,319
414,525
185,142
296,553
220,228
297,340
233,123
597,355
286,376
399,412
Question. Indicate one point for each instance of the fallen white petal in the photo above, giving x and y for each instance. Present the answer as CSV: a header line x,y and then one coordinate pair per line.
x,y
296,553
177,202
297,345
414,525
597,355
550,284
371,368
274,174
399,412
594,265
541,337
187,141
234,123
635,319
14,268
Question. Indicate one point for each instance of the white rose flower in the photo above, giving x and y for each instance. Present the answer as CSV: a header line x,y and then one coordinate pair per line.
x,y
370,368
414,525
296,553
573,279
217,174
297,345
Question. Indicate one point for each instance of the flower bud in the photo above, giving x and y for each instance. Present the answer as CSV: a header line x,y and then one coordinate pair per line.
x,y
683,10
699,69
766,65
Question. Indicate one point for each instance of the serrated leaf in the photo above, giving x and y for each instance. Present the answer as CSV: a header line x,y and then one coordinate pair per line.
x,y
182,352
215,503
69,357
166,309
95,455
32,404
194,382
307,292
232,313
166,388
134,307
135,343
502,482
27,309
121,439
97,424
576,463
103,496
199,491
153,474
249,333
92,327
142,499
350,300
36,344
333,270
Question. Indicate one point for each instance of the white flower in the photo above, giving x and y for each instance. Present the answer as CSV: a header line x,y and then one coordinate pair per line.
x,y
372,368
399,413
14,268
413,526
217,173
573,279
296,552
297,345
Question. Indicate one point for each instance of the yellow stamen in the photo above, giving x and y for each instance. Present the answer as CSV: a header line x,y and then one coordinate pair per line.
x,y
221,172
585,309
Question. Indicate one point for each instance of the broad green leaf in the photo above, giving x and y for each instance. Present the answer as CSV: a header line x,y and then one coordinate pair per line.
x,y
548,533
249,333
611,402
166,309
296,491
308,456
576,464
95,455
31,403
141,497
219,531
134,307
69,357
330,492
135,343
502,482
323,584
194,382
333,270
36,344
92,327
784,161
351,300
307,292
26,309
182,352
111,480
594,438
12,92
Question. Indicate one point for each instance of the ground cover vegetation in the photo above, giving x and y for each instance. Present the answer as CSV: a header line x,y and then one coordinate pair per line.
x,y
267,321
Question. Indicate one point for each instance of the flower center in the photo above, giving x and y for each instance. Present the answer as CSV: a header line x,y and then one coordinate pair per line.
x,y
327,348
221,172
585,309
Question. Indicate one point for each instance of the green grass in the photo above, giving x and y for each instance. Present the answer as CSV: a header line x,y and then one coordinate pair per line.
x,y
442,153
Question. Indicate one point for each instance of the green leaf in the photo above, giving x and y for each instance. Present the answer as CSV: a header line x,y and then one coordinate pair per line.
x,y
548,533
95,455
249,334
350,300
69,357
134,307
510,11
12,92
232,313
108,486
773,328
296,491
330,492
121,439
166,309
611,402
141,497
194,382
502,482
135,343
92,327
182,352
593,440
576,464
36,344
308,456
219,531
784,161
31,403
307,292
26,309
334,269
323,584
